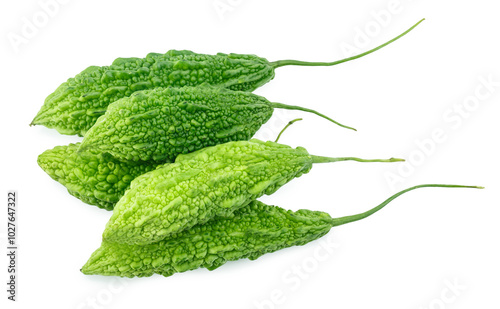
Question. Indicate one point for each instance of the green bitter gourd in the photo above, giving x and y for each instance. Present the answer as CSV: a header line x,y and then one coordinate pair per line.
x,y
159,124
213,181
249,232
77,103
98,180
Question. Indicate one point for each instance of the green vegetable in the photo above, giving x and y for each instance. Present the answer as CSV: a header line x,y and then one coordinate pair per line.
x,y
76,104
159,124
213,181
249,232
98,180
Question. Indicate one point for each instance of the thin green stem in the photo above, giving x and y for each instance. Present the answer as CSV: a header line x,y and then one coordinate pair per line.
x,y
348,219
319,159
280,63
286,127
299,108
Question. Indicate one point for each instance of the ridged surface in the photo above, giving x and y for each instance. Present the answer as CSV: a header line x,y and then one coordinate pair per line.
x,y
214,181
76,104
98,180
250,232
159,124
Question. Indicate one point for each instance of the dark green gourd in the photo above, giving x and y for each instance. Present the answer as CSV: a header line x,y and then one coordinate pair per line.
x,y
249,232
160,124
77,103
213,181
98,180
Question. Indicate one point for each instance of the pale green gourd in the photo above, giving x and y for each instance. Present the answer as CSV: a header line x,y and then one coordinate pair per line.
x,y
213,181
249,232
160,124
98,180
77,103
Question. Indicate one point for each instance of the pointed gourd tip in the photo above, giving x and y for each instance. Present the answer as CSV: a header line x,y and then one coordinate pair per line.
x,y
34,122
36,119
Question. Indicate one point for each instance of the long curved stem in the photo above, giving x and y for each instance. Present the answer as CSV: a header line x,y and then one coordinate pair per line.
x,y
348,219
286,127
319,159
300,108
280,63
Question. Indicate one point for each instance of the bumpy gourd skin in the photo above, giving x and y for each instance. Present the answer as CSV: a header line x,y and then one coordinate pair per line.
x,y
76,104
98,180
214,181
249,232
159,124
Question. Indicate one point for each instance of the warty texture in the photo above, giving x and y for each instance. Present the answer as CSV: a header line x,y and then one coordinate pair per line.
x,y
247,233
159,124
98,180
77,103
199,186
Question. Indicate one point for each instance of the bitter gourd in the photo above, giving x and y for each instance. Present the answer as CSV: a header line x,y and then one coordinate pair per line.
x,y
249,232
77,103
213,181
159,124
98,180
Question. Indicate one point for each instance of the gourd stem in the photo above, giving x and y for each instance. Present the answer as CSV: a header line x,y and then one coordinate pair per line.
x,y
299,108
280,63
286,127
319,159
348,219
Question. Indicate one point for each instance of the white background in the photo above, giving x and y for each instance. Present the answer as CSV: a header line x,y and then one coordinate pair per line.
x,y
432,248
